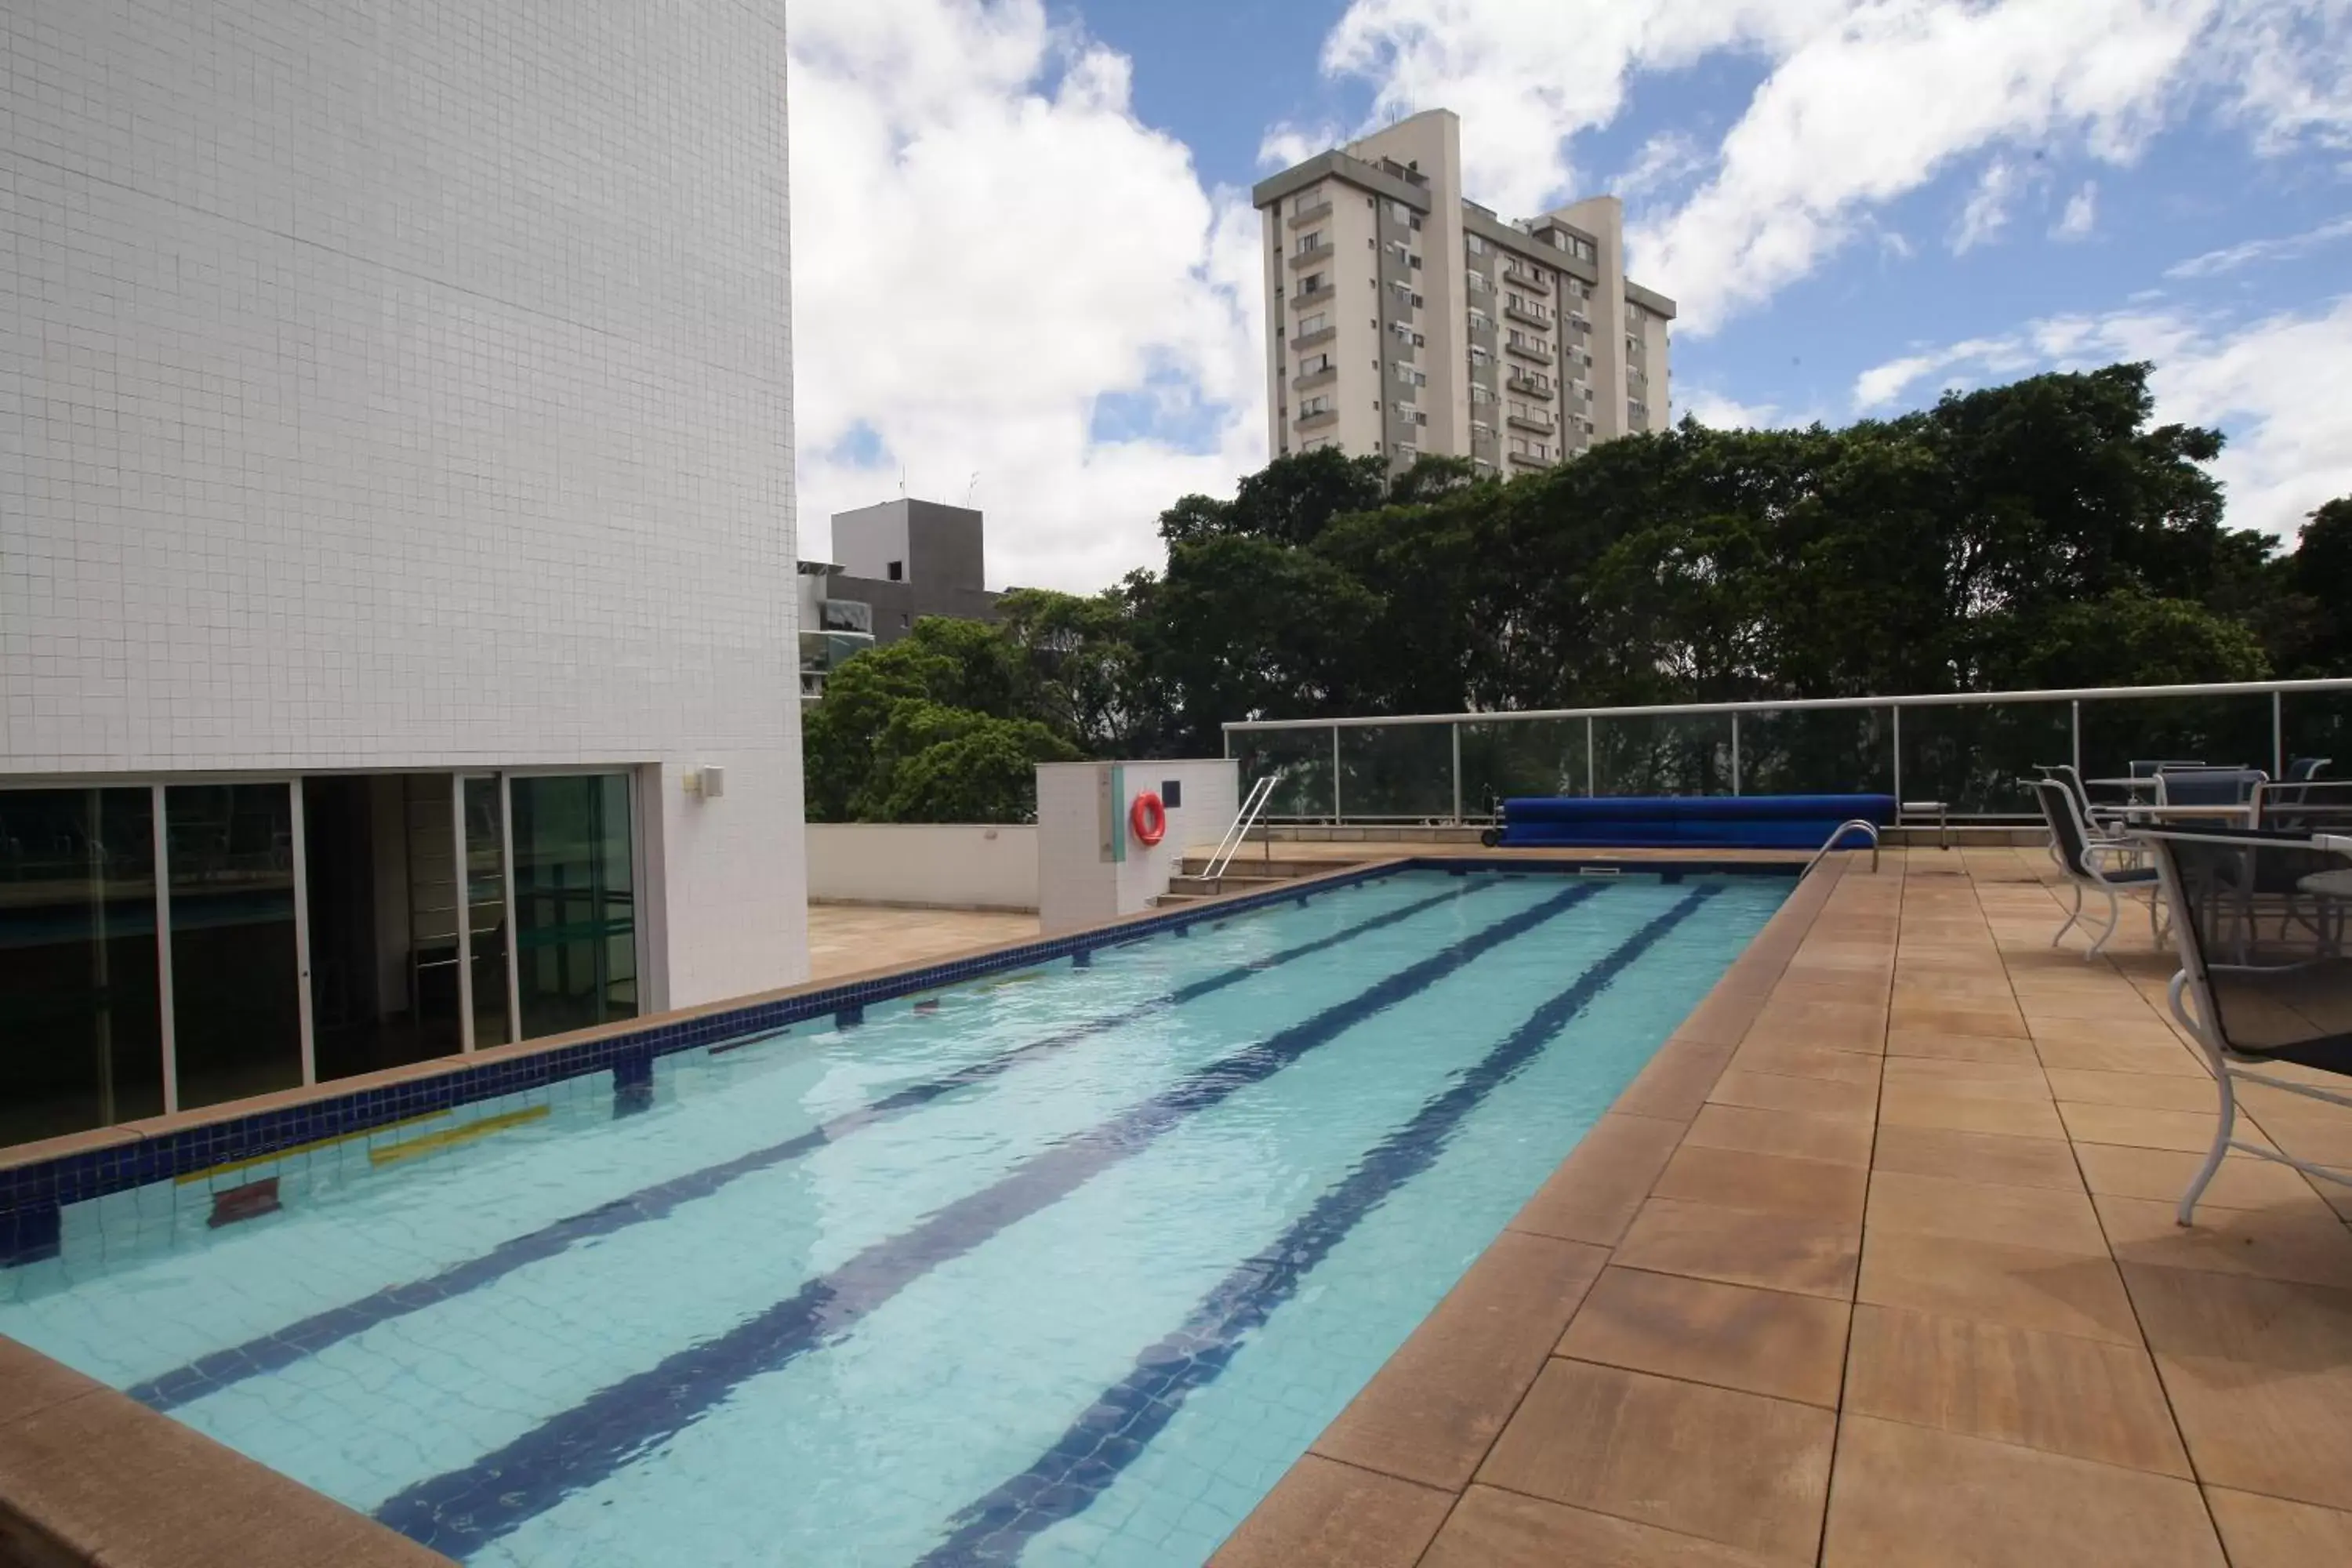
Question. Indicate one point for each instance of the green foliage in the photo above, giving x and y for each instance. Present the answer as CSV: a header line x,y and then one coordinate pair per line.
x,y
2038,534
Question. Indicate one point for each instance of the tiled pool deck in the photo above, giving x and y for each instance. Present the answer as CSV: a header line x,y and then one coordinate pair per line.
x,y
1876,1264
1873,1264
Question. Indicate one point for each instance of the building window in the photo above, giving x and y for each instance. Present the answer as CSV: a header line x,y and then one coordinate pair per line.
x,y
1413,262
1312,324
1314,364
1307,199
1416,220
1316,282
1420,341
1479,355
1399,212
1478,245
896,571
1479,284
1482,394
1410,376
1309,243
1310,406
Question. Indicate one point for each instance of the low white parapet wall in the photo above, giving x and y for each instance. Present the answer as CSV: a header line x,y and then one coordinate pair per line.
x,y
923,865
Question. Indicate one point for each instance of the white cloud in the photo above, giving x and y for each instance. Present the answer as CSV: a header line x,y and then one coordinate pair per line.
x,y
2271,383
1987,213
987,244
1284,144
2081,214
1718,412
2229,259
1666,160
1865,101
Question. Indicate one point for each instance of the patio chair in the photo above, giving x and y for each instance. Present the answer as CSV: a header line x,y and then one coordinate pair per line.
x,y
2100,865
2302,770
2208,786
2103,820
2259,917
2147,768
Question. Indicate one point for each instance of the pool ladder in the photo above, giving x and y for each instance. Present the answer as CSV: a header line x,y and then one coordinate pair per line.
x,y
1848,825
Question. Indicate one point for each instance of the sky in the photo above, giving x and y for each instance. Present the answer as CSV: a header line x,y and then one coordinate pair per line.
x,y
1025,260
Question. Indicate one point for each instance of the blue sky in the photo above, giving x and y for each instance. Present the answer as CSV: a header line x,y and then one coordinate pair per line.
x,y
1858,203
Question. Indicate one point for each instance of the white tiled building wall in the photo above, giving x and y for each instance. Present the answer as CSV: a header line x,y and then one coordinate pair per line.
x,y
410,386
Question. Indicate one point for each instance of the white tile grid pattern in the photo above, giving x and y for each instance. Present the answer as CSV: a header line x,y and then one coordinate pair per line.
x,y
409,388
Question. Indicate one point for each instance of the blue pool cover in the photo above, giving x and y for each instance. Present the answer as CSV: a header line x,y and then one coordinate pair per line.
x,y
1744,822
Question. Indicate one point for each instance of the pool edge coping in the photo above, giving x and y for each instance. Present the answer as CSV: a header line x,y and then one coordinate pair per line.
x,y
201,1501
1715,1024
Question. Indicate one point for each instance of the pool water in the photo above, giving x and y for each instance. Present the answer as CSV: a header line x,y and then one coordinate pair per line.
x,y
1059,1266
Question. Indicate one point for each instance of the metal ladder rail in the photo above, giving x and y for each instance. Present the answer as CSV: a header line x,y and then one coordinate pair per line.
x,y
1238,833
1848,825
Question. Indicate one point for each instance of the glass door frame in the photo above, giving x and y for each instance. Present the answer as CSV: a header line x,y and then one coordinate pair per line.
x,y
645,805
504,779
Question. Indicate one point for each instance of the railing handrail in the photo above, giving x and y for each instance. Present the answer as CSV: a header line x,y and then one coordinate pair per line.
x,y
1848,825
1783,704
1238,833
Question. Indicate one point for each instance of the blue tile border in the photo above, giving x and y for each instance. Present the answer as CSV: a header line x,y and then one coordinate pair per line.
x,y
31,1195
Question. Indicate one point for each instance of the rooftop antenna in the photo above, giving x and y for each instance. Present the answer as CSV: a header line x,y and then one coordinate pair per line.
x,y
902,481
971,488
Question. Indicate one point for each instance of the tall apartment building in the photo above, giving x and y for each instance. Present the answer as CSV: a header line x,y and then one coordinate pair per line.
x,y
397,653
1405,320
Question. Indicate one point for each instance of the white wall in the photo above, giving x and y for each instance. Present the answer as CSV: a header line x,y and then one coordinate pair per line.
x,y
952,866
410,387
1090,867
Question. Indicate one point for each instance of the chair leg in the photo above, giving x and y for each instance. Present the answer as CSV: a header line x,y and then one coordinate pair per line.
x,y
2070,918
2226,1125
2115,919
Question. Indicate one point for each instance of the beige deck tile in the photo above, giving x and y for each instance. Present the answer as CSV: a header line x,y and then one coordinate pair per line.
x,y
1781,1132
2305,1244
1597,1190
1321,1511
2164,1174
1929,1044
1926,1499
2138,1128
1992,1158
1770,1184
1807,1096
1676,1083
2061,1220
2069,1396
1732,1336
1808,1061
1814,1256
1908,1014
2259,1375
1914,1105
2141,1029
1997,1282
2270,1532
1735,1468
846,938
2143,1090
2121,1056
1977,1080
1435,1408
1493,1528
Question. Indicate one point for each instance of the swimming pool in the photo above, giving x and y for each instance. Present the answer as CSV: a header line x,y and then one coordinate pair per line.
x,y
1063,1265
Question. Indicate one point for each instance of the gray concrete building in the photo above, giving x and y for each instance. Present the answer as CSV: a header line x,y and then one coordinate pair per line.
x,y
1405,320
900,562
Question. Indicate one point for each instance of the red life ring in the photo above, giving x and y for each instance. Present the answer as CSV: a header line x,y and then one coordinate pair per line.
x,y
1148,818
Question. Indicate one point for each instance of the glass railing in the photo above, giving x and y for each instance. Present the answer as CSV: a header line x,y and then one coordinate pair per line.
x,y
1967,751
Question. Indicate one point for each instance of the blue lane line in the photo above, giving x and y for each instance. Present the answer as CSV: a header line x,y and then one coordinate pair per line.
x,y
282,1348
1114,1431
463,1511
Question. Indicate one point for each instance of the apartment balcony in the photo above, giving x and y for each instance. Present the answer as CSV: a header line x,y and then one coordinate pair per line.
x,y
1308,298
1528,348
1527,459
1318,420
1312,255
1315,214
1315,378
1525,276
1308,341
1533,314
1543,424
1527,386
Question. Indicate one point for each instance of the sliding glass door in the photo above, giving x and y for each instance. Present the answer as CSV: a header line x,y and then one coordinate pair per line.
x,y
236,1013
80,1028
574,901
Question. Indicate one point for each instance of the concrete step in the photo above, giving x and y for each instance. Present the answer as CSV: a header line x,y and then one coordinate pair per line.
x,y
1251,863
1230,882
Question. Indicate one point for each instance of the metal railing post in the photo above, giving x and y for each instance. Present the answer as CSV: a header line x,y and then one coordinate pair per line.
x,y
1897,709
1334,776
2278,735
1735,751
1588,756
1455,730
2075,735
